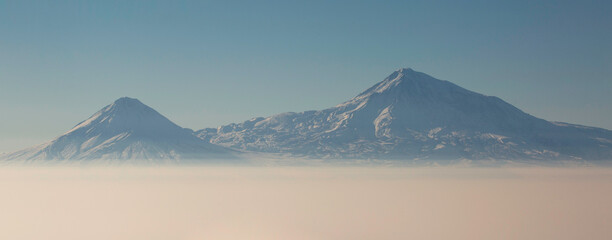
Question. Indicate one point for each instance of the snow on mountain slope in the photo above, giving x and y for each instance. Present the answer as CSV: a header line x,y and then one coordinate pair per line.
x,y
126,129
411,115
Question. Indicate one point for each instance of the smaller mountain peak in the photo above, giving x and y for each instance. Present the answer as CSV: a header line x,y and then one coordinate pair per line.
x,y
127,115
405,70
402,73
124,100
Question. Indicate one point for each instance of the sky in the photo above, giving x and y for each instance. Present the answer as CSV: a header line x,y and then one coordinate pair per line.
x,y
210,63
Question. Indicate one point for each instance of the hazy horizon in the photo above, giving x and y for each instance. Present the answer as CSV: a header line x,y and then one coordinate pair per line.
x,y
305,203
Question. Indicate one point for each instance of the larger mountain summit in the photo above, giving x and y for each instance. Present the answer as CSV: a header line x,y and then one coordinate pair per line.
x,y
413,116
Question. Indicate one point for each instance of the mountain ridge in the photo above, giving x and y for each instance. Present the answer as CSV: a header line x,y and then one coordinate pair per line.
x,y
411,115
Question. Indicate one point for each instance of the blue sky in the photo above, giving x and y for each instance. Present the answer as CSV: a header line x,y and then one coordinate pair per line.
x,y
207,63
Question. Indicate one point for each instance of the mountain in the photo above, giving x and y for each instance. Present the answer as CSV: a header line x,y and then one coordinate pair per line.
x,y
411,115
125,129
407,116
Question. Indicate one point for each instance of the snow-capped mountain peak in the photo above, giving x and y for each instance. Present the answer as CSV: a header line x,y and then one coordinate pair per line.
x,y
128,114
125,129
412,84
411,115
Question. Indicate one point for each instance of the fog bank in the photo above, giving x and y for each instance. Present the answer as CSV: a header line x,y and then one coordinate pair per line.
x,y
305,203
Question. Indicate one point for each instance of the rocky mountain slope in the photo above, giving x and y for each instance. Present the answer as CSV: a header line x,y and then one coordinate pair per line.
x,y
411,115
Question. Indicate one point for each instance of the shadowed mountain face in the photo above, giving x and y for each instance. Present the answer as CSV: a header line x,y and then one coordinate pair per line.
x,y
411,115
126,129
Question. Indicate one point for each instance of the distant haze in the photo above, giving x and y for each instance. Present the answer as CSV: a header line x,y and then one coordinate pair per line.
x,y
305,203
205,64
